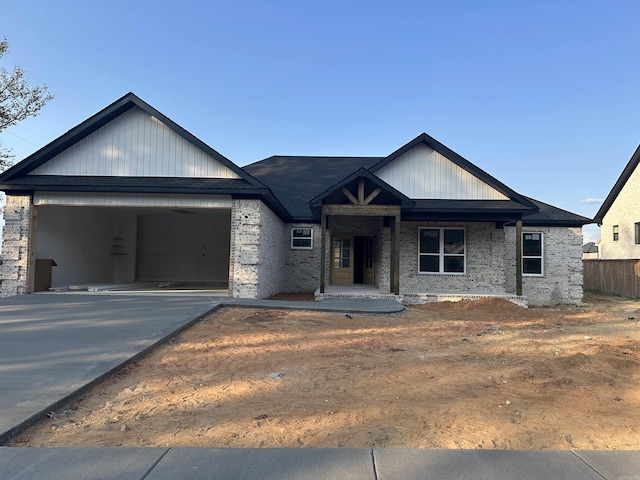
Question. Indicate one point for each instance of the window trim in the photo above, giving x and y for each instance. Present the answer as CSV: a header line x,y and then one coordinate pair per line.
x,y
541,256
616,233
441,255
302,237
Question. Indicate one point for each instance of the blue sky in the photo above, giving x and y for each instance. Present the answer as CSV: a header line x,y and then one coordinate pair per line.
x,y
542,95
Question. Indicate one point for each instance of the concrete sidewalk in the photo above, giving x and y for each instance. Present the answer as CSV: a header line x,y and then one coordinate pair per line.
x,y
313,464
338,305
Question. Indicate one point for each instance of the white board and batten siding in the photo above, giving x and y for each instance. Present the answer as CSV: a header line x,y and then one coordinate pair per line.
x,y
135,144
423,173
131,200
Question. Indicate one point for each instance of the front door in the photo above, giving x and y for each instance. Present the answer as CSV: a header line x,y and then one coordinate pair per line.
x,y
368,271
352,260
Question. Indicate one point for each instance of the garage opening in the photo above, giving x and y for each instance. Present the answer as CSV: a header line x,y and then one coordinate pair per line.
x,y
183,248
183,245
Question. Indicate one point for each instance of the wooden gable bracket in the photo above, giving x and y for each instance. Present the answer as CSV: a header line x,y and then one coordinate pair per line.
x,y
361,200
350,196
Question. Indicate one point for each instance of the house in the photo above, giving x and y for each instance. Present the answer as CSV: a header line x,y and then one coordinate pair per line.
x,y
590,250
130,196
619,215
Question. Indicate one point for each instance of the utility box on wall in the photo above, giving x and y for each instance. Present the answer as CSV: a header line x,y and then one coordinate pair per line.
x,y
44,267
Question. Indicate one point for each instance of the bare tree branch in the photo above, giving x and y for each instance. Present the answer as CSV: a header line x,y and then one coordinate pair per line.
x,y
18,100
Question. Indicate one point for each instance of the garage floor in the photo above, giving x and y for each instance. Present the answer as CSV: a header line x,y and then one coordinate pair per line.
x,y
214,289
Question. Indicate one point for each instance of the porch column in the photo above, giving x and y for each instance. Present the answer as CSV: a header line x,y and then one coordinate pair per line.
x,y
323,250
31,262
518,257
395,255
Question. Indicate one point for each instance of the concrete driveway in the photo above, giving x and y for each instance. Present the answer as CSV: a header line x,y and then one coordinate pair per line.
x,y
53,344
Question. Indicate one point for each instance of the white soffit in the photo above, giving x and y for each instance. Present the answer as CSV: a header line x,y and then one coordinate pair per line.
x,y
131,200
423,173
135,144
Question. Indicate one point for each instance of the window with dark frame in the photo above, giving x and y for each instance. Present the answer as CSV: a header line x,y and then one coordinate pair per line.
x,y
302,238
616,234
441,250
532,253
637,233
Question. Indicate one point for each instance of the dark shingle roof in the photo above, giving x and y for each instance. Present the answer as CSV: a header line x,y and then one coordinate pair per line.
x,y
548,215
296,180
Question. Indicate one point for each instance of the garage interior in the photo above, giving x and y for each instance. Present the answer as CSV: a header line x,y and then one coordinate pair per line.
x,y
126,248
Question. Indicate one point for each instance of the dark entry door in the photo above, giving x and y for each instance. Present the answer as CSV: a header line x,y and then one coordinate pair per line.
x,y
364,271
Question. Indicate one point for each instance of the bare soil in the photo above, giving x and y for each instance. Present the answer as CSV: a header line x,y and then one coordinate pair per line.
x,y
472,374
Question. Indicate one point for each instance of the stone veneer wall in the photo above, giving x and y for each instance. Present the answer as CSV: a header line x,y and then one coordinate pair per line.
x,y
485,273
302,266
562,257
257,250
15,245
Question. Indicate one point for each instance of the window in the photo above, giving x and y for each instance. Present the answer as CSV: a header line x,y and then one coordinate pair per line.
x,y
441,250
342,253
302,238
615,233
637,233
532,251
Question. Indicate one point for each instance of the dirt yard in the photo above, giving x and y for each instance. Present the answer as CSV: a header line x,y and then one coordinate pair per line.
x,y
483,374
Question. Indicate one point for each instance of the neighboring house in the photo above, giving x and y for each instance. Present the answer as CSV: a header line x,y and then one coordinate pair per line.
x,y
619,215
129,195
590,250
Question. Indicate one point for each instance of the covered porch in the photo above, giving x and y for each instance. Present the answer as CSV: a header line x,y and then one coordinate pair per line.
x,y
373,240
360,233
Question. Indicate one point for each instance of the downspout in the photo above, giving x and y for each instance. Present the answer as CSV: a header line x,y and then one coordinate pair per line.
x,y
519,258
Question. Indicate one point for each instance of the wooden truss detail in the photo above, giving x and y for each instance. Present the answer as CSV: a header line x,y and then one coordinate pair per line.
x,y
361,200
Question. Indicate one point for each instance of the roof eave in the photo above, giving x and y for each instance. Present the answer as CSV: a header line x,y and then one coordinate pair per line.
x,y
14,188
556,223
457,217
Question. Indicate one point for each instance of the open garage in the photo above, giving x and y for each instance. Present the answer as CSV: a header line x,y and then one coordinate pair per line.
x,y
128,199
115,245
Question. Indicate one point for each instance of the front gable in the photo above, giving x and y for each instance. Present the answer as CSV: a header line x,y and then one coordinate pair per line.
x,y
135,144
361,193
423,173
425,169
128,138
361,188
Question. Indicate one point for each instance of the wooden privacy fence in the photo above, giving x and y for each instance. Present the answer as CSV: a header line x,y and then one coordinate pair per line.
x,y
612,277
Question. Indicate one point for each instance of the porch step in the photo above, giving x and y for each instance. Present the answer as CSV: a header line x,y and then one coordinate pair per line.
x,y
419,298
413,298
